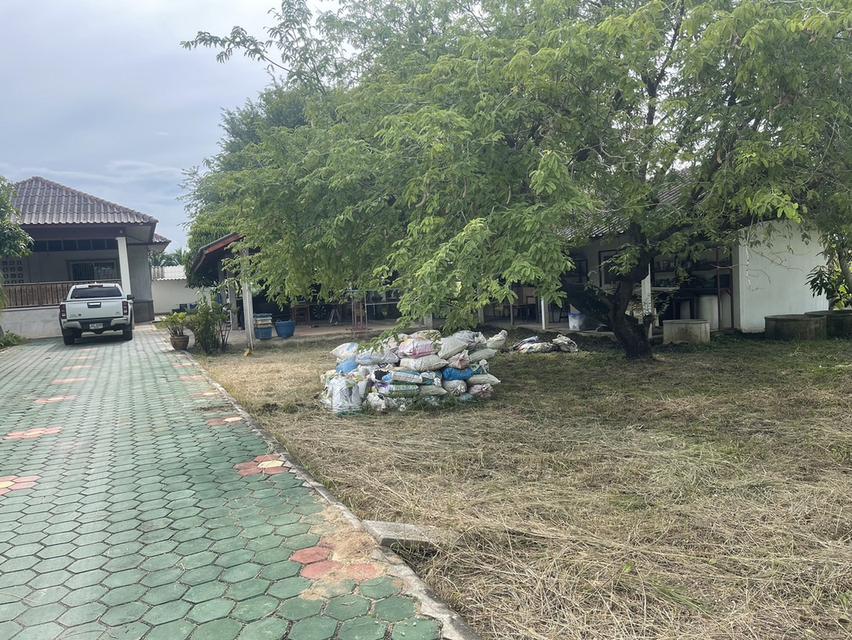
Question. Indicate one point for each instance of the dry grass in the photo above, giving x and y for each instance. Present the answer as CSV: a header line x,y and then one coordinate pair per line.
x,y
707,495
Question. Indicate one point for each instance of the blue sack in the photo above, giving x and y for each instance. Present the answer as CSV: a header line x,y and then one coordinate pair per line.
x,y
458,374
347,366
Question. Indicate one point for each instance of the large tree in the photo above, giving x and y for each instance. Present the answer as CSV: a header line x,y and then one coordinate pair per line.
x,y
455,149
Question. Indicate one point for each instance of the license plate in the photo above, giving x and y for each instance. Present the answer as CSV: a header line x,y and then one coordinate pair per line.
x,y
96,325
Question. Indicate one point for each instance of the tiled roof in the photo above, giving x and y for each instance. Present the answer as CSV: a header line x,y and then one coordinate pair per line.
x,y
40,201
158,239
168,273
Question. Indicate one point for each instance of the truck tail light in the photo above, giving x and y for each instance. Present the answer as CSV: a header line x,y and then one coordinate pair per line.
x,y
62,312
124,307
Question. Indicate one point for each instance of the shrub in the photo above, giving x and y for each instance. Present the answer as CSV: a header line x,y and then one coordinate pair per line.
x,y
209,325
10,339
175,323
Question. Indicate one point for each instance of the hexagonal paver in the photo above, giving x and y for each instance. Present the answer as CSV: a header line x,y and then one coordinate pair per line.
x,y
240,572
315,628
82,614
33,616
394,609
124,613
299,608
362,629
165,593
247,589
416,629
289,587
211,610
379,588
255,608
166,612
223,629
347,607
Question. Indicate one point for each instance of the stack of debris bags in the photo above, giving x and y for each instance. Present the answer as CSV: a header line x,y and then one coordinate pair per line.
x,y
402,370
534,344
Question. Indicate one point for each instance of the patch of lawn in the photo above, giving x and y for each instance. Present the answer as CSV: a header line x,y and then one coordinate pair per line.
x,y
705,495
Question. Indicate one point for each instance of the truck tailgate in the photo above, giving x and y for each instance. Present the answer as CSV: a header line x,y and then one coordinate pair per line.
x,y
94,308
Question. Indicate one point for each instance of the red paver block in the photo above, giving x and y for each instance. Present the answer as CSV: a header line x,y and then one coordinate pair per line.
x,y
32,433
75,367
192,378
319,569
362,571
311,555
68,380
17,483
269,464
54,399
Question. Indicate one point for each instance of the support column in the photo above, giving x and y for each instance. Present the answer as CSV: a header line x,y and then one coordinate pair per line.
x,y
480,316
123,264
232,304
544,309
248,309
647,301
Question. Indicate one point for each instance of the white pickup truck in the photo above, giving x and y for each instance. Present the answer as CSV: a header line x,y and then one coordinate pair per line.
x,y
96,308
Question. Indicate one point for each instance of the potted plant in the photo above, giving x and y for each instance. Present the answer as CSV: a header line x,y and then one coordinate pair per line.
x,y
175,324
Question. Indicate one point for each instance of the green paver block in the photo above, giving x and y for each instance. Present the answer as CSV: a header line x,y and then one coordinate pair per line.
x,y
299,608
281,570
124,578
198,560
46,596
347,607
38,615
166,612
315,628
177,630
211,610
362,629
124,613
123,595
47,631
162,577
247,589
11,610
268,629
379,588
83,614
240,572
130,631
165,593
394,608
233,558
162,561
416,629
255,608
86,579
289,587
223,629
201,575
85,595
9,630
205,591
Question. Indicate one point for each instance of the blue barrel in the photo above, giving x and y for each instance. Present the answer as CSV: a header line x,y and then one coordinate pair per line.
x,y
263,333
285,328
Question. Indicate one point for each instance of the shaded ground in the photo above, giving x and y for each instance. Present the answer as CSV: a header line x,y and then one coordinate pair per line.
x,y
707,495
135,502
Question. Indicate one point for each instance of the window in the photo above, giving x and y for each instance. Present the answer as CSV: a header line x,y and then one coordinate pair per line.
x,y
580,273
93,270
99,244
95,292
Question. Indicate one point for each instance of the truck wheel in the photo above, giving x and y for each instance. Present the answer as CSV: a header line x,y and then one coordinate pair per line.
x,y
68,337
127,334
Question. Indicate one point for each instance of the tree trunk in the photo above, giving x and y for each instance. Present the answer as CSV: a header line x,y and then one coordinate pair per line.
x,y
632,334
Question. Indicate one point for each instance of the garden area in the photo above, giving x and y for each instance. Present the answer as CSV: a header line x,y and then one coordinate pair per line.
x,y
706,494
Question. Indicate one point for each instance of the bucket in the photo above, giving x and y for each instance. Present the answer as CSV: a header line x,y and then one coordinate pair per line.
x,y
285,328
263,333
575,321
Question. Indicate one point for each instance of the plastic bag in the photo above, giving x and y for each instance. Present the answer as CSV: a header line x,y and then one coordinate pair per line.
x,y
459,361
403,377
457,374
566,344
481,391
536,347
482,354
346,366
483,378
531,340
341,396
398,390
376,402
455,387
426,363
432,390
416,348
345,351
452,345
377,356
498,341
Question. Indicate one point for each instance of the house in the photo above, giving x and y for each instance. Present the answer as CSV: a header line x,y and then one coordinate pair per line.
x,y
169,289
77,238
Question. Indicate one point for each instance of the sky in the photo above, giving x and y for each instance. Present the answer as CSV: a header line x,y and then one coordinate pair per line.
x,y
98,95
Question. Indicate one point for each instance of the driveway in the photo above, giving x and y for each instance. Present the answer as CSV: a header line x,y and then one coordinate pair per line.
x,y
137,502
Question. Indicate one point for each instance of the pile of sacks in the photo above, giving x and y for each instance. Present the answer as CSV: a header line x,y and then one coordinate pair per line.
x,y
534,344
421,367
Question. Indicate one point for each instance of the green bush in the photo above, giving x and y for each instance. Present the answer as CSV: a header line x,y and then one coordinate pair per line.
x,y
175,323
209,325
10,340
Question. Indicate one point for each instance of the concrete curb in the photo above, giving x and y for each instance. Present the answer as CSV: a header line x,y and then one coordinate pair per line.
x,y
453,626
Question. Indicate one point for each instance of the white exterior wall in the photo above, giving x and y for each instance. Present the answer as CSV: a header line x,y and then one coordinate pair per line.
x,y
771,266
32,322
169,294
